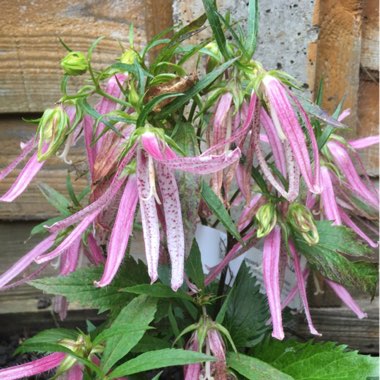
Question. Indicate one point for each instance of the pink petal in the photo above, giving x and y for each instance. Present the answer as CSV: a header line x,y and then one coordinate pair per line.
x,y
149,216
121,231
274,141
330,207
354,227
271,260
69,259
345,164
32,368
24,178
60,306
344,114
27,148
203,164
343,294
158,149
365,142
95,251
248,212
26,260
102,201
302,287
287,123
174,225
70,239
75,373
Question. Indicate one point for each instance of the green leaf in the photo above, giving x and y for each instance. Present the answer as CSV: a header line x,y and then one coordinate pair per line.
x,y
326,257
48,336
217,207
157,290
40,228
134,317
79,286
167,52
150,343
159,359
317,361
253,368
214,21
193,265
55,198
247,310
198,87
151,104
253,26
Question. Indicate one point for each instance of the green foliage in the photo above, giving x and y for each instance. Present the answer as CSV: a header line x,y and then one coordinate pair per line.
x,y
246,311
253,368
193,266
79,286
157,290
159,359
316,361
326,256
218,209
134,320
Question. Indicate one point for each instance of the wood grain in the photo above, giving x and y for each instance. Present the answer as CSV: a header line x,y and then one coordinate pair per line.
x,y
370,36
31,205
30,50
341,325
338,53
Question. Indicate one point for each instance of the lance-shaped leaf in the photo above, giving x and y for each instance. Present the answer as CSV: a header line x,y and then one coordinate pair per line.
x,y
121,231
216,206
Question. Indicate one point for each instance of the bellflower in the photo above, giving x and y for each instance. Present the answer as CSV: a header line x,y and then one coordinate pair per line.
x,y
51,134
32,368
154,156
288,128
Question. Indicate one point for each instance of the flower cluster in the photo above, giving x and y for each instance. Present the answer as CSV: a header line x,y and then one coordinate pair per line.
x,y
274,170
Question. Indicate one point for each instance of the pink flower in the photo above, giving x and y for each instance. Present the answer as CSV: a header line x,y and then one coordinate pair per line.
x,y
288,128
35,367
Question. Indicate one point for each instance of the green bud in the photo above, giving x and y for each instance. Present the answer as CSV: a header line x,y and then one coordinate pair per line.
x,y
129,57
302,220
52,129
75,63
266,217
133,96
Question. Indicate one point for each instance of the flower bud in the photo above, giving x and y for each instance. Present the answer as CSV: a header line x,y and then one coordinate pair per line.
x,y
266,217
301,219
129,57
52,129
75,63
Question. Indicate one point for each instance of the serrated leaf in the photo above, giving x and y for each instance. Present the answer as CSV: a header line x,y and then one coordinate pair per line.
x,y
213,19
159,359
79,286
198,87
55,198
217,207
326,257
48,336
317,361
156,290
193,265
253,368
247,310
137,314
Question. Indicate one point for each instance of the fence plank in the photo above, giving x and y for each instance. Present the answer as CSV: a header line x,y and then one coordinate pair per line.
x,y
30,50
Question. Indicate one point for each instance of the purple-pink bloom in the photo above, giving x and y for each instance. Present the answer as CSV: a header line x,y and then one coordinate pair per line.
x,y
330,207
32,368
271,261
365,142
288,128
343,294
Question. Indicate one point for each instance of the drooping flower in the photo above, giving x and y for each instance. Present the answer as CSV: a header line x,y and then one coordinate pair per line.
x,y
35,367
288,128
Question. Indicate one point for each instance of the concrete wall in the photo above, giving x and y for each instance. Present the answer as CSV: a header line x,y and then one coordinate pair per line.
x,y
285,31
